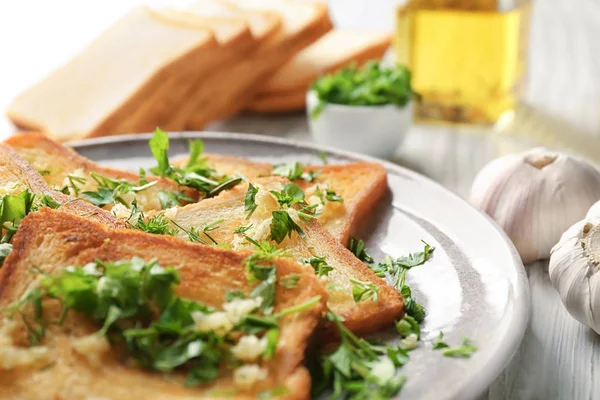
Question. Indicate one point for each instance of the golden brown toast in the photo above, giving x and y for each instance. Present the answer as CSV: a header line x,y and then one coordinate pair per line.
x,y
226,213
360,184
56,162
15,170
51,240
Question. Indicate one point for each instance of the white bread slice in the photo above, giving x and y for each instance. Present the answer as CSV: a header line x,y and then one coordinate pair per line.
x,y
229,90
235,36
101,86
50,241
334,50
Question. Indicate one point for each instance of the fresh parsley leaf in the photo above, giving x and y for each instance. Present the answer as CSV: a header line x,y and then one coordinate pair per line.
x,y
357,247
358,369
46,200
170,199
364,290
272,336
466,350
294,171
328,195
289,281
439,343
414,309
74,185
242,229
369,85
266,291
159,146
319,265
13,208
415,259
290,194
99,198
408,325
235,294
157,224
323,157
299,308
250,200
210,228
196,174
283,225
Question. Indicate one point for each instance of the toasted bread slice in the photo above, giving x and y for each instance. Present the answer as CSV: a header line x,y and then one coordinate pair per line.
x,y
57,162
361,185
106,82
334,50
225,213
302,23
281,102
15,170
50,241
235,38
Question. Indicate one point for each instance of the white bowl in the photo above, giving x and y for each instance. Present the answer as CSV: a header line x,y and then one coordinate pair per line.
x,y
374,130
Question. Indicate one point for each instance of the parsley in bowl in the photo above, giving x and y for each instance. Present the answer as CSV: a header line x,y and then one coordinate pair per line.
x,y
366,110
371,85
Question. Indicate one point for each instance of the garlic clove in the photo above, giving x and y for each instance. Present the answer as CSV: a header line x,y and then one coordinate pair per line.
x,y
574,271
535,196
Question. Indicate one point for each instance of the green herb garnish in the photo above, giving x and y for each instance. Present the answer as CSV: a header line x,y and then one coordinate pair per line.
x,y
371,85
328,195
364,290
283,225
294,171
357,247
195,174
289,281
319,265
250,200
465,350
358,369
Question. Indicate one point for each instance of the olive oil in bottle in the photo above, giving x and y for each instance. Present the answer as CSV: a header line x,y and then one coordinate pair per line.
x,y
467,56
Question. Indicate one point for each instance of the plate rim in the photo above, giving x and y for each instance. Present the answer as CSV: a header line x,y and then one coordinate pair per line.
x,y
510,343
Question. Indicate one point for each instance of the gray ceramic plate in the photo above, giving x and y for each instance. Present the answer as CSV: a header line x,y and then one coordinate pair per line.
x,y
475,285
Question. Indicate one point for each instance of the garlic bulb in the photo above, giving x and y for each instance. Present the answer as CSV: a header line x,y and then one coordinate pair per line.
x,y
535,196
574,269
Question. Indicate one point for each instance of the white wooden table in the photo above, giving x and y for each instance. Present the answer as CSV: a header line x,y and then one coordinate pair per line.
x,y
559,358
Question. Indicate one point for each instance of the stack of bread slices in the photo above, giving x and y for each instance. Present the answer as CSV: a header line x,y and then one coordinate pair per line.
x,y
183,67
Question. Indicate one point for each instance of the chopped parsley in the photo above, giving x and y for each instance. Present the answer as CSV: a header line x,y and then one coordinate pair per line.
x,y
370,85
357,247
465,350
250,200
134,304
242,229
74,185
323,157
328,195
289,281
294,172
157,224
195,174
407,326
319,265
358,369
15,207
283,225
364,290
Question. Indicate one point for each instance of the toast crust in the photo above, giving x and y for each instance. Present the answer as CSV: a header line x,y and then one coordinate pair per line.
x,y
228,208
51,240
13,169
281,102
45,154
362,185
